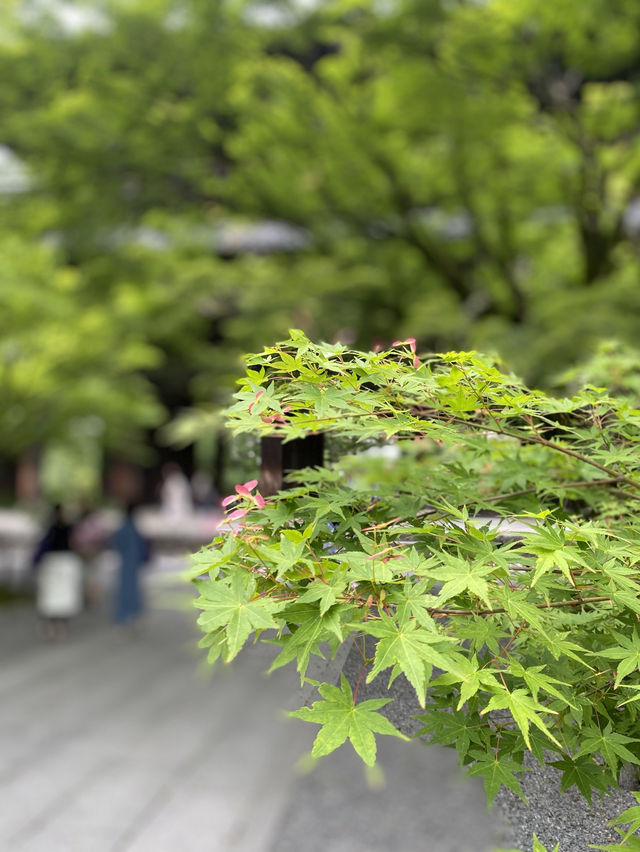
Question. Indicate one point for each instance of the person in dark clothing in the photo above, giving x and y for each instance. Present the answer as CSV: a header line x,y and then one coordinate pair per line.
x,y
133,551
59,578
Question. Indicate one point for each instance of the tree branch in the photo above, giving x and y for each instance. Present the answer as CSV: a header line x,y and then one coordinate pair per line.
x,y
552,605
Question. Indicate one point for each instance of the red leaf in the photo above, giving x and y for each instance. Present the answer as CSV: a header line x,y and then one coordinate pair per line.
x,y
239,513
258,395
251,484
230,499
242,489
259,501
410,340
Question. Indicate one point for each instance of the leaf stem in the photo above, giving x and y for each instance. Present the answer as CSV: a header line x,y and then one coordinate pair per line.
x,y
362,671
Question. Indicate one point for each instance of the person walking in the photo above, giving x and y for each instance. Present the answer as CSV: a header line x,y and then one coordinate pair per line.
x,y
133,551
59,578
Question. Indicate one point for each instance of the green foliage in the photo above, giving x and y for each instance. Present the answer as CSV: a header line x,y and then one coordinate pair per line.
x,y
63,363
487,189
494,563
340,718
464,196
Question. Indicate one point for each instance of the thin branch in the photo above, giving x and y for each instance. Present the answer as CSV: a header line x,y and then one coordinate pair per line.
x,y
553,604
536,439
362,671
586,483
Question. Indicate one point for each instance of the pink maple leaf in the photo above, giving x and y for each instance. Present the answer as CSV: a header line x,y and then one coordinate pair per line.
x,y
410,340
246,489
258,395
238,513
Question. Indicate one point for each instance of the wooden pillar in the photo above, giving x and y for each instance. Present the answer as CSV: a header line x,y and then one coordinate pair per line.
x,y
28,476
279,458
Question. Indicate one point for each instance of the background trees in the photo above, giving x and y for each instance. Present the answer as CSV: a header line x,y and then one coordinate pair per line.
x,y
209,174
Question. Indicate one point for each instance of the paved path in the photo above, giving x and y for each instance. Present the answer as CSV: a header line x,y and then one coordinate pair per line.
x,y
110,743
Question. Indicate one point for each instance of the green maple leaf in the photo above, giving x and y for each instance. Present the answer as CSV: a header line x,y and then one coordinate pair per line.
x,y
216,642
363,566
471,678
631,844
519,608
451,728
524,709
340,719
228,604
408,646
326,593
632,816
538,847
462,576
585,774
496,772
612,746
537,680
413,600
627,600
313,628
627,652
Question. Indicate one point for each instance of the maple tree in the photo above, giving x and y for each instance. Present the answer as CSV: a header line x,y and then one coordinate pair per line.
x,y
493,563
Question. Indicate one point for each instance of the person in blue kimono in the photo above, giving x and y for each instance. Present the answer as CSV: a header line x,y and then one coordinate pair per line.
x,y
133,551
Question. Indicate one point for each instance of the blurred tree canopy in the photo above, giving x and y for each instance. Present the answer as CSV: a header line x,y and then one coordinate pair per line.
x,y
463,172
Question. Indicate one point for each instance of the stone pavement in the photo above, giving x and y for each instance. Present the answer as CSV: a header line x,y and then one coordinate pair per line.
x,y
111,743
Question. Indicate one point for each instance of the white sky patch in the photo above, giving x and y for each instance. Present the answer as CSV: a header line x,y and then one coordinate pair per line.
x,y
277,13
14,175
72,18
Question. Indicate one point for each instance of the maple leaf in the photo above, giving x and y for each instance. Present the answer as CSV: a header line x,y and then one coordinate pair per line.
x,y
631,844
524,709
496,771
537,680
463,576
313,628
612,746
538,847
414,600
325,593
628,652
410,647
629,816
451,728
341,719
585,774
228,603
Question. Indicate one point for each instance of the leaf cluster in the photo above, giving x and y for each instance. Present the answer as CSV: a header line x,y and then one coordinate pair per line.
x,y
494,562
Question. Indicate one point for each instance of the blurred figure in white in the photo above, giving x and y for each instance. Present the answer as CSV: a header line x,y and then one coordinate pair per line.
x,y
59,578
175,492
